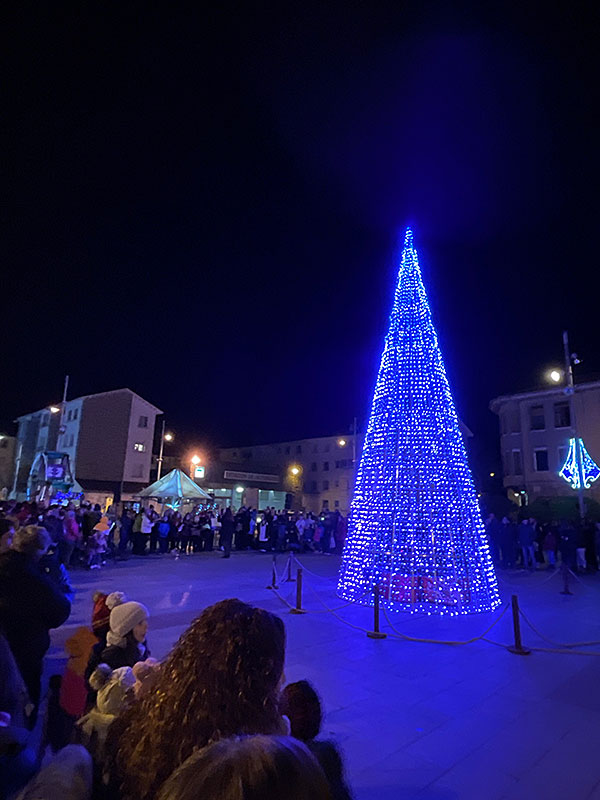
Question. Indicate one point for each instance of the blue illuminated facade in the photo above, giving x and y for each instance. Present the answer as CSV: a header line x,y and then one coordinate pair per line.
x,y
589,469
415,527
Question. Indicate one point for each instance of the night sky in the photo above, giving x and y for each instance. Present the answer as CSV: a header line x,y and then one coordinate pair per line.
x,y
207,207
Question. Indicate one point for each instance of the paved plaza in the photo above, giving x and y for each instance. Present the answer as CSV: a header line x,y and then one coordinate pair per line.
x,y
414,720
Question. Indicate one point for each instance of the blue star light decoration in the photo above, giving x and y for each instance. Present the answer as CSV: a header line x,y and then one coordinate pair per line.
x,y
590,471
415,527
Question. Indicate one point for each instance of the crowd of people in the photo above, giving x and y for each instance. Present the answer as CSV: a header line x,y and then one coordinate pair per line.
x,y
530,544
212,720
86,536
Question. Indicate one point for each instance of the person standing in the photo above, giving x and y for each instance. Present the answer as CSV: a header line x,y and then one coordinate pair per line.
x,y
526,533
30,605
507,543
227,524
126,532
71,537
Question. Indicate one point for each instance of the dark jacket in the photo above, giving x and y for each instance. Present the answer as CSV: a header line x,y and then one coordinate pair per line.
x,y
30,604
331,763
116,656
18,761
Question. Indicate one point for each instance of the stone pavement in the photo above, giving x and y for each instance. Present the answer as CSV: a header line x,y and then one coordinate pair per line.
x,y
414,720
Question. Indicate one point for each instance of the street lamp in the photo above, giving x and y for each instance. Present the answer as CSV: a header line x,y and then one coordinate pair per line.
x,y
342,442
54,410
555,375
164,437
295,471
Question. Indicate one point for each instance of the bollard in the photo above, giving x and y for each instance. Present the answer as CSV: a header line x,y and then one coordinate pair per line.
x,y
298,609
517,648
289,578
376,633
273,584
565,574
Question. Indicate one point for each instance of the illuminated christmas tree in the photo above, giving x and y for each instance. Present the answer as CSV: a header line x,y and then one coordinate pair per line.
x,y
415,527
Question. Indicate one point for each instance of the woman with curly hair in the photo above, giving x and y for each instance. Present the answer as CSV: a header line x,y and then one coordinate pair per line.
x,y
221,679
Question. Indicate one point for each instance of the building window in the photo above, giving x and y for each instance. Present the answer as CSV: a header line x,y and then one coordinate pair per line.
x,y
562,455
337,484
536,418
540,460
298,448
562,415
313,466
313,486
140,447
325,485
326,466
75,413
3,443
337,504
143,422
325,505
517,463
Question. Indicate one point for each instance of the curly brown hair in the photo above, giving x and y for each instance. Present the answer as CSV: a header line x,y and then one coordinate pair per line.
x,y
221,679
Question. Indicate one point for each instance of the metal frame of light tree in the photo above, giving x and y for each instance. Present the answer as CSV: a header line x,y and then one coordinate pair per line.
x,y
415,528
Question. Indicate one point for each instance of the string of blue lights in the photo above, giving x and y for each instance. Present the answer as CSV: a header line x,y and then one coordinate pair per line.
x,y
415,527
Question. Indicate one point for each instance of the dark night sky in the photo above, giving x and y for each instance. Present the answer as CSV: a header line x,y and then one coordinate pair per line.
x,y
206,207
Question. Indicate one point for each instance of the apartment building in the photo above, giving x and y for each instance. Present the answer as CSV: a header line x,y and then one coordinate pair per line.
x,y
535,431
107,436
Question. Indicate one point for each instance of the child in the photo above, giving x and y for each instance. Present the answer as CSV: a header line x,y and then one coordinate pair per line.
x,y
97,543
115,693
301,705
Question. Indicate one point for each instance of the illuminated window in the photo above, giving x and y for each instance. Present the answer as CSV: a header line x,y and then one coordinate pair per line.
x,y
141,448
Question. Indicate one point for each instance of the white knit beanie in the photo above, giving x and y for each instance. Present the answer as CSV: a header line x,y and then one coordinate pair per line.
x,y
123,619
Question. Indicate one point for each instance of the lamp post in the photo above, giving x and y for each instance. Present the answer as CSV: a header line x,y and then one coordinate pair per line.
x,y
194,461
570,391
164,437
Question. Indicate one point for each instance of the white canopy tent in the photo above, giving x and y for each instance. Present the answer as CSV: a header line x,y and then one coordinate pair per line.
x,y
175,485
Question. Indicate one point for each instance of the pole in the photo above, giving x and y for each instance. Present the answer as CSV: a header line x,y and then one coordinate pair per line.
x,y
517,648
298,609
62,407
570,392
273,584
160,452
354,426
376,633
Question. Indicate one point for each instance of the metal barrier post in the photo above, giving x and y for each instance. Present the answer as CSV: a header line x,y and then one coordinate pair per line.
x,y
273,584
288,578
565,575
298,609
517,648
376,633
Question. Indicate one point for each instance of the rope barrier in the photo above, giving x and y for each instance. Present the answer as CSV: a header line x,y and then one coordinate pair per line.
x,y
557,647
551,641
408,638
310,572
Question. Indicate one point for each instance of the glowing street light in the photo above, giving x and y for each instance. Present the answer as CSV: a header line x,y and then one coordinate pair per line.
x,y
492,474
169,437
342,442
196,460
54,410
555,375
239,489
295,470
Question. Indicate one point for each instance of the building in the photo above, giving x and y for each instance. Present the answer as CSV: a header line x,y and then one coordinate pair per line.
x,y
535,430
108,438
7,463
317,473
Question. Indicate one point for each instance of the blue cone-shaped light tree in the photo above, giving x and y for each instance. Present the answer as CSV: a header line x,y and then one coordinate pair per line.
x,y
415,527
